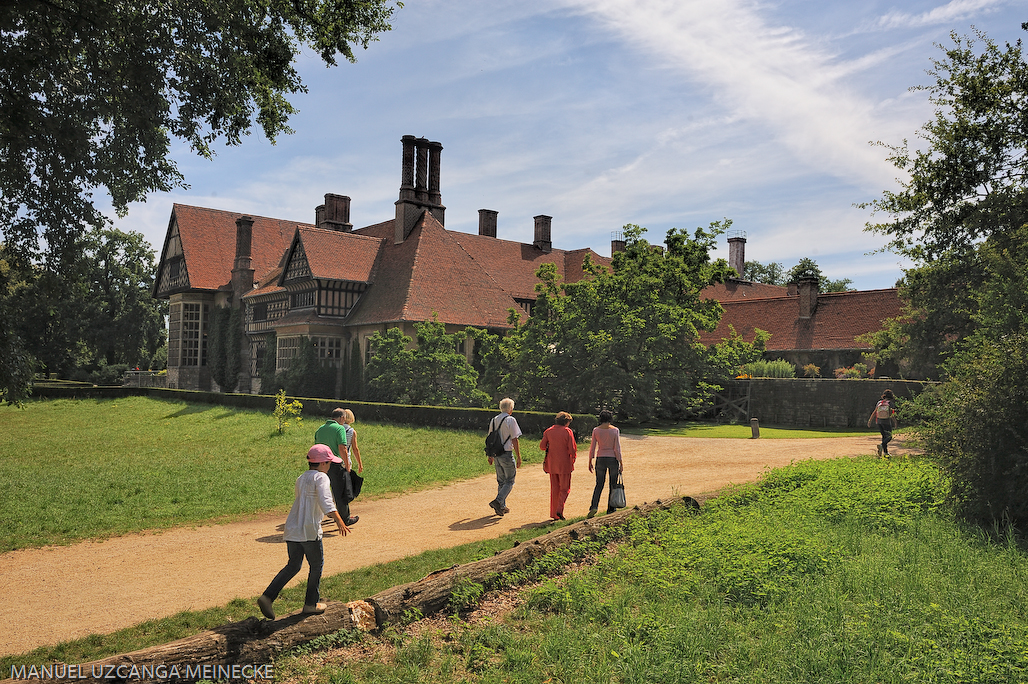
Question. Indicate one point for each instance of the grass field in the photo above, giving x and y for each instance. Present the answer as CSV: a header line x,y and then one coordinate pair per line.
x,y
78,469
828,572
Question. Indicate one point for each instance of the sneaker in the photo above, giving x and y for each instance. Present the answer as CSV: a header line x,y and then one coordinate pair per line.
x,y
879,449
264,603
352,520
592,512
316,609
506,510
560,516
497,508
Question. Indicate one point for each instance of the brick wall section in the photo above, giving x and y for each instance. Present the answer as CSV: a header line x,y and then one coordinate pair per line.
x,y
818,402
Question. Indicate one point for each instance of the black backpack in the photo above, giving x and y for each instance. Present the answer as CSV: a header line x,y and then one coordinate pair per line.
x,y
493,441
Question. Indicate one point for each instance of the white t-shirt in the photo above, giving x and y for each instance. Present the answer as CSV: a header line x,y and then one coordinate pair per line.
x,y
509,429
313,501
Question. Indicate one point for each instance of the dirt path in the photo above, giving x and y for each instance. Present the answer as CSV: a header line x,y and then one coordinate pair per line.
x,y
55,594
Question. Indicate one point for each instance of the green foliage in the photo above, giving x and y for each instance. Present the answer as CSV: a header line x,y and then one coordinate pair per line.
x,y
625,338
465,595
734,353
16,364
779,368
91,310
962,217
432,373
269,364
286,411
976,425
772,273
808,268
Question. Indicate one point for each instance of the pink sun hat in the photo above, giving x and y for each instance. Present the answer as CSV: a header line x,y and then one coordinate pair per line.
x,y
321,453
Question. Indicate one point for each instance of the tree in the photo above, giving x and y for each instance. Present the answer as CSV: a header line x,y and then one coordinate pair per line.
x,y
95,310
92,93
625,338
432,372
962,217
808,268
772,273
16,364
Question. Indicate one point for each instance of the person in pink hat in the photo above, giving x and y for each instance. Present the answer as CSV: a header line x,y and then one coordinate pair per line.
x,y
303,532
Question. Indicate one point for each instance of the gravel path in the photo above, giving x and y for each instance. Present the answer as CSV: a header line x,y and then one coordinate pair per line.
x,y
59,593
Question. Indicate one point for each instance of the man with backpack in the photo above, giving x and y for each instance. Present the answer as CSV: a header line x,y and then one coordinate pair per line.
x,y
884,415
501,440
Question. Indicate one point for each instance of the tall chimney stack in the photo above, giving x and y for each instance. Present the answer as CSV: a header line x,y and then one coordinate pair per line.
x,y
542,233
419,185
737,252
807,290
487,222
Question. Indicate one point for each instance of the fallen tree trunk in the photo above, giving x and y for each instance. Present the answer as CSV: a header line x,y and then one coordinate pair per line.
x,y
432,594
242,650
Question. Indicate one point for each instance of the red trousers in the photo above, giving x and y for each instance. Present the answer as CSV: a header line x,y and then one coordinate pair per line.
x,y
560,487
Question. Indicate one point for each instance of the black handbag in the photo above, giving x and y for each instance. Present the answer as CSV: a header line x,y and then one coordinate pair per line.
x,y
617,494
356,482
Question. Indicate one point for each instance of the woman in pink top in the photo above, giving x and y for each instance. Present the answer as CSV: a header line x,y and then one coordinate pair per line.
x,y
606,446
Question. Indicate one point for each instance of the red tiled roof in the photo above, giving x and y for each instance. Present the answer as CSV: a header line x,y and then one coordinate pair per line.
x,y
512,265
332,255
209,244
839,319
742,289
429,273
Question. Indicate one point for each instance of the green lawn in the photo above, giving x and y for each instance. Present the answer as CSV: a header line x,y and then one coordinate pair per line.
x,y
828,572
78,469
728,431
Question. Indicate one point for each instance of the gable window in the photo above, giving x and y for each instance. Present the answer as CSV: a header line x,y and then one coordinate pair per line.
x,y
301,300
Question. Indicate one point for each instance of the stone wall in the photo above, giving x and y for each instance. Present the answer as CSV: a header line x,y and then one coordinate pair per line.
x,y
820,402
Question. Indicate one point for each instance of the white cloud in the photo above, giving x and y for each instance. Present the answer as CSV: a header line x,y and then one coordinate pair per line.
x,y
770,75
947,14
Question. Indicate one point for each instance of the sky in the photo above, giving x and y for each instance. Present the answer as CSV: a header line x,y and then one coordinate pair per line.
x,y
599,113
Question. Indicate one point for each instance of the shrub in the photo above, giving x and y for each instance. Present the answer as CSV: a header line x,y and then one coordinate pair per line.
x,y
779,368
974,426
286,411
811,371
857,370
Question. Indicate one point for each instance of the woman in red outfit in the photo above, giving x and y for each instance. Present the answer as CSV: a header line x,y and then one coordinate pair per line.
x,y
561,450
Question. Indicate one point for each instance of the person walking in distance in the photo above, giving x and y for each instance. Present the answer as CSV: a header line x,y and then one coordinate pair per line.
x,y
606,446
561,450
509,461
333,435
884,417
312,501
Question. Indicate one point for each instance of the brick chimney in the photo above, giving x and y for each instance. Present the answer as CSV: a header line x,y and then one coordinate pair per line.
x,y
542,233
807,290
242,268
737,252
419,185
487,222
334,214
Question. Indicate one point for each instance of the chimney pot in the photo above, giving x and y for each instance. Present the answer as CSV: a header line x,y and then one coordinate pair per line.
x,y
617,243
487,222
334,214
542,233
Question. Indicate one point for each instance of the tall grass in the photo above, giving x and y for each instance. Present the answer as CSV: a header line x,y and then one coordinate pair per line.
x,y
839,571
77,469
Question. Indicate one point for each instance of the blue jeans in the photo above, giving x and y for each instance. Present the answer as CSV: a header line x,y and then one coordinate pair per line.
x,y
506,471
315,554
605,468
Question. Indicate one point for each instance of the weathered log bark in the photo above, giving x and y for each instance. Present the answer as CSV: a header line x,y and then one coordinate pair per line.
x,y
432,594
253,642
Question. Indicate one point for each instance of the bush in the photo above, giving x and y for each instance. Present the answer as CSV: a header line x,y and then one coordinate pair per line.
x,y
779,368
857,370
974,425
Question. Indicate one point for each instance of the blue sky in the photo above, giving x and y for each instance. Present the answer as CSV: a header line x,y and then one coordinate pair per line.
x,y
663,113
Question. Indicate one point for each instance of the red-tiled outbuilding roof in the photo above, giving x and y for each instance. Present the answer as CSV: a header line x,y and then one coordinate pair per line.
x,y
333,255
839,319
